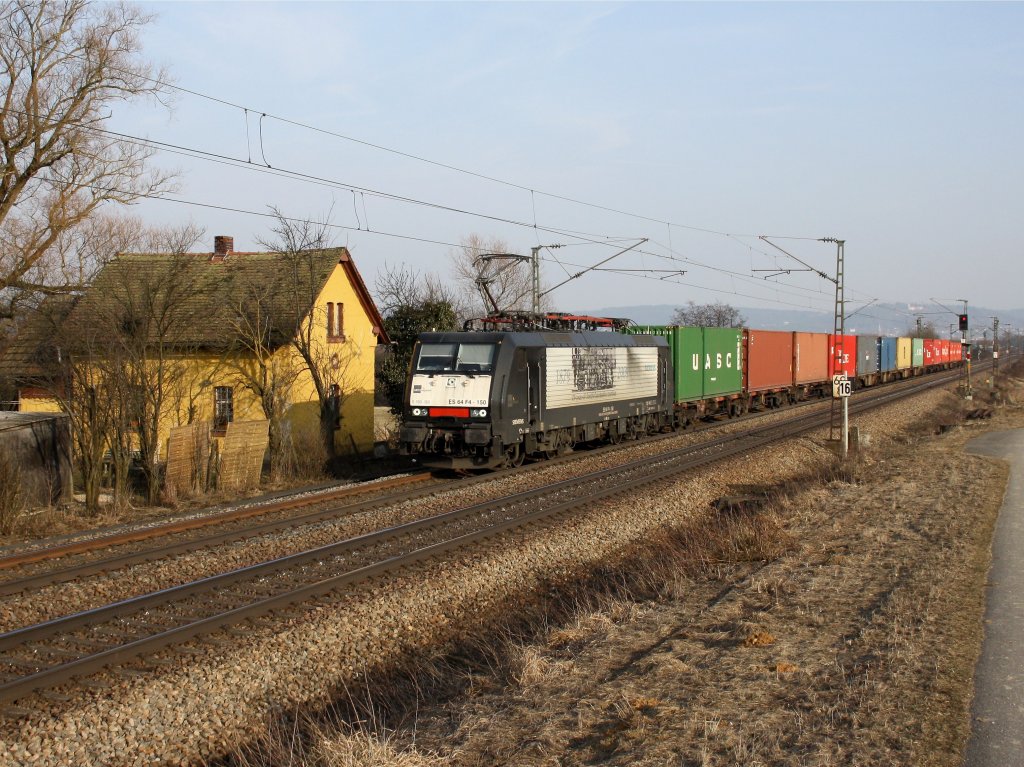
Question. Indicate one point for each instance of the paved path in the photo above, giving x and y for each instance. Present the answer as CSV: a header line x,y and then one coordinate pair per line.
x,y
997,737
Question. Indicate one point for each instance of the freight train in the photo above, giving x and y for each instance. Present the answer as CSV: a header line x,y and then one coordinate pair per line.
x,y
490,399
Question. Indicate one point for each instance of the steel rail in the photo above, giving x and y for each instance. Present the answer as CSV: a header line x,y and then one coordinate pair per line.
x,y
231,515
107,564
90,567
644,472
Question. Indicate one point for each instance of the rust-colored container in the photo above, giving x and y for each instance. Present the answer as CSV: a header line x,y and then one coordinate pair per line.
x,y
810,357
849,352
768,360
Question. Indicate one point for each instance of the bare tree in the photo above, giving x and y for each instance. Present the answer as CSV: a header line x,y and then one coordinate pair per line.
x,y
713,315
397,287
150,308
509,284
66,365
257,366
411,304
301,244
66,63
923,330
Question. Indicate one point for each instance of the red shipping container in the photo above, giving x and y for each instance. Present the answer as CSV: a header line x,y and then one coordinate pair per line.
x,y
849,352
956,351
810,357
931,356
943,350
768,360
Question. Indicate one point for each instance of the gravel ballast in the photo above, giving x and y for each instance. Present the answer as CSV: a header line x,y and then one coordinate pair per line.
x,y
207,701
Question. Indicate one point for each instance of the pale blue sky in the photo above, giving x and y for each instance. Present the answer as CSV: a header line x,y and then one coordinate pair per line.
x,y
895,126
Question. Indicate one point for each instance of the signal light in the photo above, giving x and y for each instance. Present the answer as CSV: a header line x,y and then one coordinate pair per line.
x,y
963,322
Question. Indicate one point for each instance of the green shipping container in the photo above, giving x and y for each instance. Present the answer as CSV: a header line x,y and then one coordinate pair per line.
x,y
723,361
707,361
917,353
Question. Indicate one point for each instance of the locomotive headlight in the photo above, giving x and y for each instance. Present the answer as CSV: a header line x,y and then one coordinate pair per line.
x,y
480,413
417,411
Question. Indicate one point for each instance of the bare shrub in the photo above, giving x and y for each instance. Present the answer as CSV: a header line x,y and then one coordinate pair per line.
x,y
303,456
10,494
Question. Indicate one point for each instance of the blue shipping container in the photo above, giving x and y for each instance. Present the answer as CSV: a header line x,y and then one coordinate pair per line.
x,y
888,356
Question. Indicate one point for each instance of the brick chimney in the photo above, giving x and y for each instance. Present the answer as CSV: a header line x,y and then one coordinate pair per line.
x,y
222,247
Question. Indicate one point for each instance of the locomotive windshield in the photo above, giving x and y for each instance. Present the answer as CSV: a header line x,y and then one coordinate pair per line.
x,y
455,358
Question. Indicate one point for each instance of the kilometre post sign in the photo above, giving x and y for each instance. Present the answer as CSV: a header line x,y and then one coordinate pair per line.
x,y
841,386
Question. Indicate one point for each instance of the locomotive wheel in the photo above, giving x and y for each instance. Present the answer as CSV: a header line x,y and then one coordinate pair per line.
x,y
514,456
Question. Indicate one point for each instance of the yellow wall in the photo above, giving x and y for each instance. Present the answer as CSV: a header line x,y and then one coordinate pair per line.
x,y
354,375
191,396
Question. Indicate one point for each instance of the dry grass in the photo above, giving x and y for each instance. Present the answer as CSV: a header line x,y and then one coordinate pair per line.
x,y
10,494
836,624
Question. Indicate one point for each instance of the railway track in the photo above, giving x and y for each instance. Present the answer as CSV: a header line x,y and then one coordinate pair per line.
x,y
129,634
29,567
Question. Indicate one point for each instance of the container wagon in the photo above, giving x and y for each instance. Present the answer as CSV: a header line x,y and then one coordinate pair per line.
x,y
810,364
768,368
887,358
848,350
708,369
868,356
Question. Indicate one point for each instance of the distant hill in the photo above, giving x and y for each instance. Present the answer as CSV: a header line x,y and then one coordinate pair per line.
x,y
876,319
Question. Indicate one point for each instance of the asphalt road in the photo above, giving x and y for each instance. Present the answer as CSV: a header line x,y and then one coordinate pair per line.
x,y
997,737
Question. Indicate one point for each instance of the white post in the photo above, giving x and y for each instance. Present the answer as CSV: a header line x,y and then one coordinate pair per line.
x,y
846,426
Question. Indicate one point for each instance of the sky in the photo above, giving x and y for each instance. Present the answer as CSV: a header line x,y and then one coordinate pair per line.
x,y
896,127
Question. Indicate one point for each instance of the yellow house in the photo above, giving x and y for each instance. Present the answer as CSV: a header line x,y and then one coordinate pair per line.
x,y
221,337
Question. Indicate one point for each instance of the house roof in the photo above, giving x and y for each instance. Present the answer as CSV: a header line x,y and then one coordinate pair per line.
x,y
30,354
193,299
207,291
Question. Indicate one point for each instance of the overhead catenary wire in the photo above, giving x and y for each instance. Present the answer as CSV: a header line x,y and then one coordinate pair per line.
x,y
584,237
414,238
409,155
363,191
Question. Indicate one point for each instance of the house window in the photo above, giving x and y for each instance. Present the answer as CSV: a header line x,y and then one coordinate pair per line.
x,y
335,321
223,407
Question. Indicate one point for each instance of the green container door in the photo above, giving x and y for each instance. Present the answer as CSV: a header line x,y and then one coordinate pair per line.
x,y
688,358
917,352
723,361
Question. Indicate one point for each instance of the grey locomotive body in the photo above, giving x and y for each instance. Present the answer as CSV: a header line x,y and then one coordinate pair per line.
x,y
483,400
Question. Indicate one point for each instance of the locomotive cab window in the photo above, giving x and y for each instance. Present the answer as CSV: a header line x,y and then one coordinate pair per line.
x,y
455,358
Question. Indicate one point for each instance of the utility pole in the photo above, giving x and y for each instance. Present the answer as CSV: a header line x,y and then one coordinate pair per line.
x,y
839,330
995,350
837,430
535,279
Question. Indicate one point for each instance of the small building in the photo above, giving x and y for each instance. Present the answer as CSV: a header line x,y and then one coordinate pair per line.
x,y
38,447
215,337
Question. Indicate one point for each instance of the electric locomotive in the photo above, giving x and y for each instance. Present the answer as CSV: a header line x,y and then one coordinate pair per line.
x,y
490,399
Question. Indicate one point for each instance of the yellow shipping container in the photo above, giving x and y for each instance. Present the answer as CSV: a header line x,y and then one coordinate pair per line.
x,y
903,353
